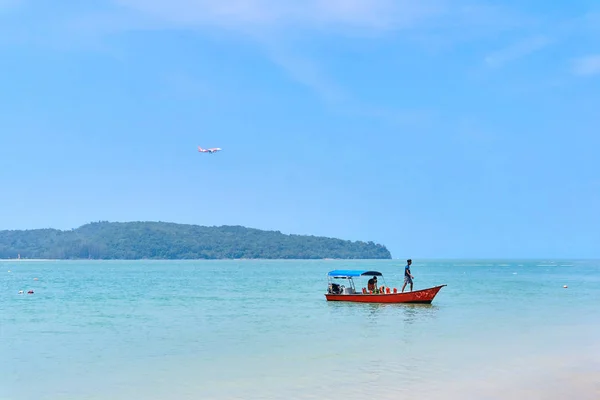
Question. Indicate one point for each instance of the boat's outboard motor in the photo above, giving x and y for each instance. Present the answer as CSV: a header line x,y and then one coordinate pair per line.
x,y
335,288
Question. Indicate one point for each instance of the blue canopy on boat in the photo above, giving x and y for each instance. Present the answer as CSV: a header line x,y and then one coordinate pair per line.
x,y
347,273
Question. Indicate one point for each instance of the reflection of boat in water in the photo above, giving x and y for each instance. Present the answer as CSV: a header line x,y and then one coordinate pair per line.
x,y
382,294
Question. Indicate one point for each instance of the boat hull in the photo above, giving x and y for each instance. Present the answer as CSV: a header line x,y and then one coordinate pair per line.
x,y
422,296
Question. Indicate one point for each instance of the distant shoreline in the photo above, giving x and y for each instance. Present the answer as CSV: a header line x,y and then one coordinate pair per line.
x,y
401,260
190,259
153,240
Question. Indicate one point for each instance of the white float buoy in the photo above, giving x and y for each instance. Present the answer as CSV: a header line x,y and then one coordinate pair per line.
x,y
565,286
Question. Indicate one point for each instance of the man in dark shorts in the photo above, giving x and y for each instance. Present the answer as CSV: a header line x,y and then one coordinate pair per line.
x,y
408,278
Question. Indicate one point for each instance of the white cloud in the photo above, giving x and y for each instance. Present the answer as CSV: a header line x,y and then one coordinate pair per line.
x,y
517,50
307,72
9,4
586,66
442,18
590,20
259,19
372,14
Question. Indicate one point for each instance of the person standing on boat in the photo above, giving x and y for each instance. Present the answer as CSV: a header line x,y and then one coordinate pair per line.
x,y
408,278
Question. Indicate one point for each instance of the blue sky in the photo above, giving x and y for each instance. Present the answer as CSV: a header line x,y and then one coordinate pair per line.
x,y
438,128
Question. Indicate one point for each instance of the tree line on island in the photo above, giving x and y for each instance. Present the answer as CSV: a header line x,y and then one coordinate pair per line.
x,y
163,240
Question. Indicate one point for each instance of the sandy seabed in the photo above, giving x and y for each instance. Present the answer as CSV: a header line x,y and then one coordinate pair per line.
x,y
582,386
545,379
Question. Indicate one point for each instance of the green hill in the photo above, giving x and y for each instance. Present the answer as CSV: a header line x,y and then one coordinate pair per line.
x,y
163,240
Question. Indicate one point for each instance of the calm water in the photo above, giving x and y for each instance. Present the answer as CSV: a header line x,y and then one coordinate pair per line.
x,y
263,330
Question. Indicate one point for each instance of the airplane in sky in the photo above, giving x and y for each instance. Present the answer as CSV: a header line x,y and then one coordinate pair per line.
x,y
212,150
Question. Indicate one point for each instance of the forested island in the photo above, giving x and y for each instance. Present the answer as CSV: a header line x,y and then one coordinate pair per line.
x,y
171,241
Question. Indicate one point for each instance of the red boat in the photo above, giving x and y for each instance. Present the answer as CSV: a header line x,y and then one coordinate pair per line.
x,y
382,294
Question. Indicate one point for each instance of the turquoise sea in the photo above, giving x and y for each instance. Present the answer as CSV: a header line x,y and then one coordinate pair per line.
x,y
255,329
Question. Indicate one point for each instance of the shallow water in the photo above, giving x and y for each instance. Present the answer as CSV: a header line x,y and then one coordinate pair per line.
x,y
263,330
